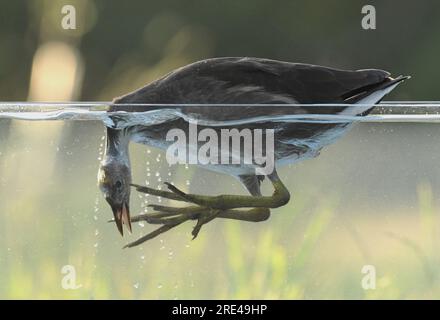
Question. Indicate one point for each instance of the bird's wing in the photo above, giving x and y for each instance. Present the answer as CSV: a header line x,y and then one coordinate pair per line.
x,y
303,82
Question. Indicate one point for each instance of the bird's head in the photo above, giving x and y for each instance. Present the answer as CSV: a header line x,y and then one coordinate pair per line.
x,y
114,180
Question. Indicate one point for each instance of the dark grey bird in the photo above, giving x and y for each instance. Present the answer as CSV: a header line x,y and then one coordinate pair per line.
x,y
235,80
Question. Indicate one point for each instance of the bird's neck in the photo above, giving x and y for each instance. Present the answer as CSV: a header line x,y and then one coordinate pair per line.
x,y
117,146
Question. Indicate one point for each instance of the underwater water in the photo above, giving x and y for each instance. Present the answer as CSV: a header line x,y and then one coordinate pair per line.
x,y
369,199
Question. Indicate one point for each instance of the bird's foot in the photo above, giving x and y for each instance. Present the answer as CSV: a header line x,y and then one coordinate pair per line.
x,y
170,217
175,216
206,208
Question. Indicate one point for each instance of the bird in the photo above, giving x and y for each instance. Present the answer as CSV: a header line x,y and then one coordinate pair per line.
x,y
221,83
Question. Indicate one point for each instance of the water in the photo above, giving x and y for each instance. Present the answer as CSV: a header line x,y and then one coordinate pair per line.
x,y
371,198
389,111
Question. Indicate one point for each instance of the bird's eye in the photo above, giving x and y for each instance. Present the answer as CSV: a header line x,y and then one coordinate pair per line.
x,y
118,184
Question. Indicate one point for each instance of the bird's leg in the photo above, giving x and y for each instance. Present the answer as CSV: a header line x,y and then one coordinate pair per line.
x,y
279,197
207,208
171,217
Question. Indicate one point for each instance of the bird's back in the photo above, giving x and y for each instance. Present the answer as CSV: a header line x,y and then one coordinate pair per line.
x,y
253,81
259,81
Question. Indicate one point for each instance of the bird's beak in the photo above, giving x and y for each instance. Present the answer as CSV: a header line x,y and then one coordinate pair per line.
x,y
122,216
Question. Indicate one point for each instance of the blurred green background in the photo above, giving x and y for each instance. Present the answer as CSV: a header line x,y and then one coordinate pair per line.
x,y
370,199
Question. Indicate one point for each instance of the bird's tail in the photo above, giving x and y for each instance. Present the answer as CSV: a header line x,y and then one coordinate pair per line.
x,y
366,98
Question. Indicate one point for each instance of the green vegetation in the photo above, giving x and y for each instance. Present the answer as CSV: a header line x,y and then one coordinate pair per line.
x,y
372,198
